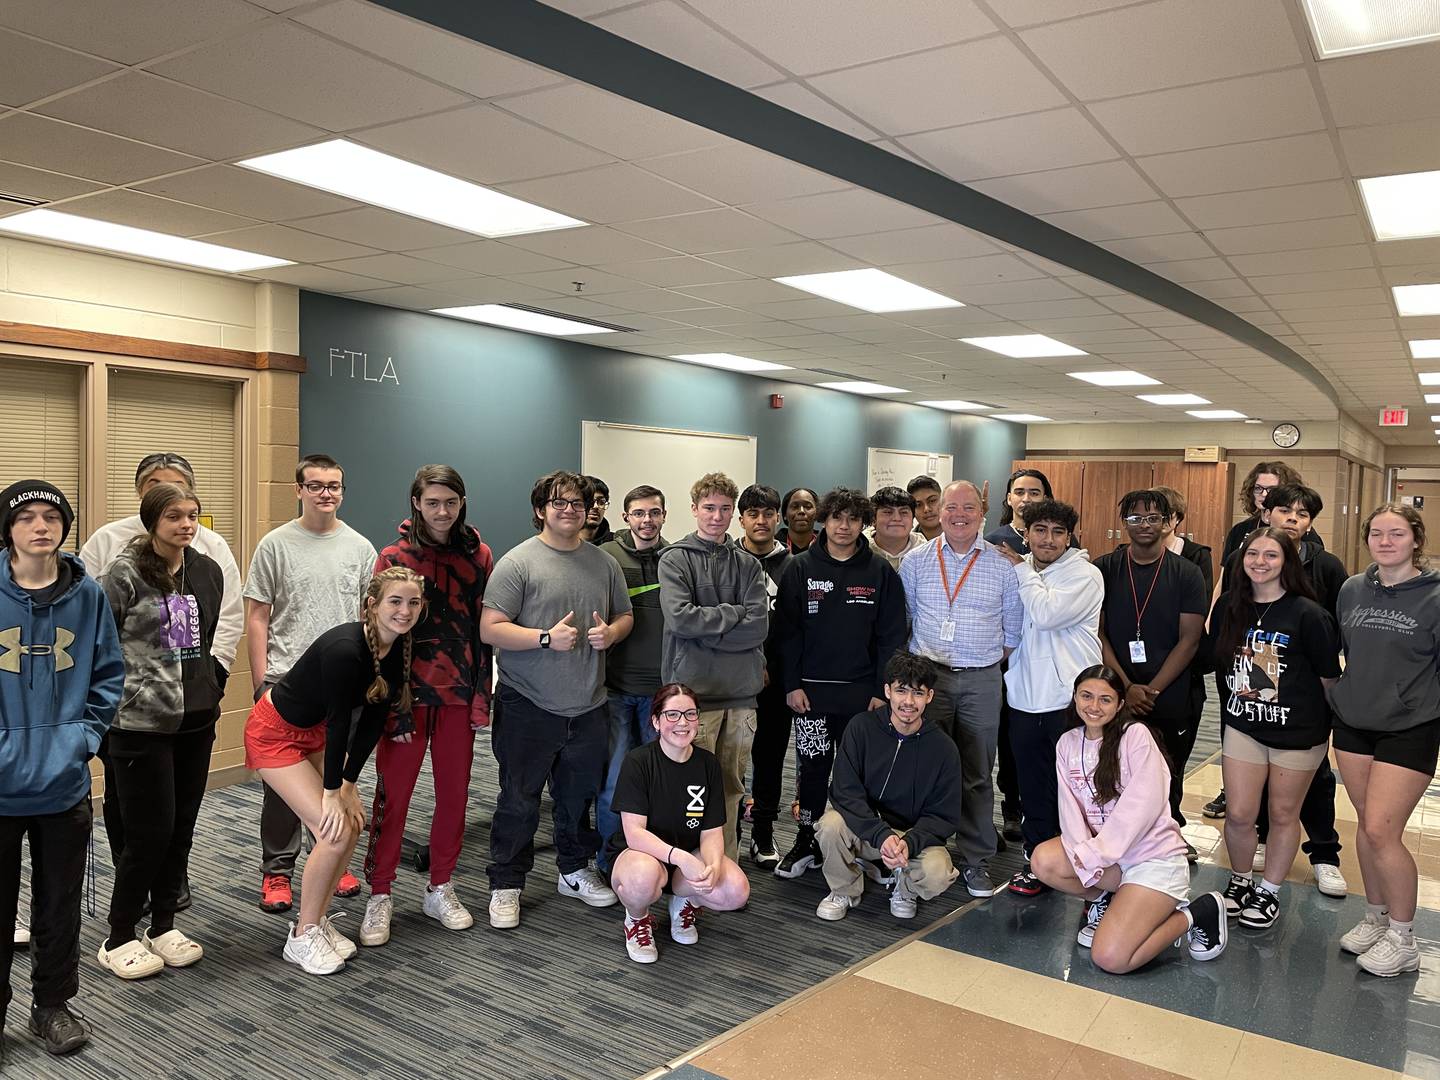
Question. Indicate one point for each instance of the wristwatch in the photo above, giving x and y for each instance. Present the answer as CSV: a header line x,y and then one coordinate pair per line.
x,y
544,639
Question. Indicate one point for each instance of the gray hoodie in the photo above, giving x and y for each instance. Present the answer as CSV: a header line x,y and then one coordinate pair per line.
x,y
716,609
1391,636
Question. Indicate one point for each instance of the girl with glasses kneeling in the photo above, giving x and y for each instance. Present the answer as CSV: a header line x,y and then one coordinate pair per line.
x,y
671,800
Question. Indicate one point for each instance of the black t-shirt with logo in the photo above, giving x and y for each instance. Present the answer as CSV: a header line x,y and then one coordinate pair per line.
x,y
1270,685
680,799
1178,589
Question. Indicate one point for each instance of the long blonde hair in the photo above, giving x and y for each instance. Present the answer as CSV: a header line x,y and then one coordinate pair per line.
x,y
379,690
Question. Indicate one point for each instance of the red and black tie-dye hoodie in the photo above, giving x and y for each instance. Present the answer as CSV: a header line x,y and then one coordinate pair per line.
x,y
451,666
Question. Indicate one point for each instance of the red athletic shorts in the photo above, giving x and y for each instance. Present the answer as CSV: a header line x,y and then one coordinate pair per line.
x,y
271,743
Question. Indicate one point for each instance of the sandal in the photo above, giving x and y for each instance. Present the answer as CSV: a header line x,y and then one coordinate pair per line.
x,y
130,961
174,948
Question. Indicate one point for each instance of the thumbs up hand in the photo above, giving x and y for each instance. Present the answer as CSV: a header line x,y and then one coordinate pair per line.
x,y
564,634
600,635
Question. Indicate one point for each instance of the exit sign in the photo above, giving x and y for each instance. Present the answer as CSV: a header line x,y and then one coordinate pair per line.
x,y
1394,417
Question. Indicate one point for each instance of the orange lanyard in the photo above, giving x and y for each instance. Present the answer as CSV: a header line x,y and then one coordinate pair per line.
x,y
945,580
1134,595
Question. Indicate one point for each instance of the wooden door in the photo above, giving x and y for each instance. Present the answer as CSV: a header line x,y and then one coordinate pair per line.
x,y
1207,487
1104,482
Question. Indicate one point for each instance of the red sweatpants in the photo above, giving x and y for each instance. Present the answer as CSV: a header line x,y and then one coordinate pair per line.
x,y
446,729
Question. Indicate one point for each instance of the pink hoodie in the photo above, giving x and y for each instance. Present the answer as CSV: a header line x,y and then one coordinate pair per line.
x,y
1134,828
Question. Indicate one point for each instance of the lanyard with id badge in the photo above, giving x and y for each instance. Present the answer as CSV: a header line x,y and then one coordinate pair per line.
x,y
947,625
1137,647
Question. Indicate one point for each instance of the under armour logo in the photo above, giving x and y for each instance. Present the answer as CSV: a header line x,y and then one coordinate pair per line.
x,y
14,650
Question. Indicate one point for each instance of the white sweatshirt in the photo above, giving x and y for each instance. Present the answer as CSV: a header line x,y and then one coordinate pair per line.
x,y
1061,634
109,540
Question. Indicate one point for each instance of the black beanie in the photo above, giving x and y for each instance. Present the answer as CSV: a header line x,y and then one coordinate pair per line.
x,y
24,492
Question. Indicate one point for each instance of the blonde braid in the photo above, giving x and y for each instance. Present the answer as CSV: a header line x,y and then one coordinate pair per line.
x,y
379,690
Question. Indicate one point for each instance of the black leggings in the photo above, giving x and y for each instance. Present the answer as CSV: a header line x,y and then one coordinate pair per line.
x,y
816,736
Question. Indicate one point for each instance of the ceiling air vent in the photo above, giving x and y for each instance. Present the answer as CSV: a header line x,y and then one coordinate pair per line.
x,y
9,199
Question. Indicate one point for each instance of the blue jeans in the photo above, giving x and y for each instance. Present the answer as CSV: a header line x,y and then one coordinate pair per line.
x,y
629,727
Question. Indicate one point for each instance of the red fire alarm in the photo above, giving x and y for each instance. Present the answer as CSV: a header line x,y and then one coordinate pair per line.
x,y
777,401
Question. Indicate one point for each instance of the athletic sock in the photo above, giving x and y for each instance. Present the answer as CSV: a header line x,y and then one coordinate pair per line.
x,y
1379,911
1406,930
1270,887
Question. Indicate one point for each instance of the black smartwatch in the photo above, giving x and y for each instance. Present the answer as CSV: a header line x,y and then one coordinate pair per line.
x,y
544,639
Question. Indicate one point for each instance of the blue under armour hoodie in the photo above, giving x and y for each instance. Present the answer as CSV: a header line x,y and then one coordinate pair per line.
x,y
61,675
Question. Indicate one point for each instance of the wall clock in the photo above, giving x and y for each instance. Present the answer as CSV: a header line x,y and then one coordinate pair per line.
x,y
1285,435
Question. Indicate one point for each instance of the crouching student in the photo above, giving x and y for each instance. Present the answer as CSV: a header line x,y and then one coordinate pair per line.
x,y
670,798
895,799
1119,848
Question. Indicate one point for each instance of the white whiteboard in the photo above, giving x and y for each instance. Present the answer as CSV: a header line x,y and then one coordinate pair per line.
x,y
886,468
671,459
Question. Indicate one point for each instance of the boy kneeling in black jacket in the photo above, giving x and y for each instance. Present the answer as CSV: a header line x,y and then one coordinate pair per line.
x,y
895,799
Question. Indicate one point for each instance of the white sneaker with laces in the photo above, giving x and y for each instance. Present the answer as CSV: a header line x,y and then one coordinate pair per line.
x,y
343,946
312,952
441,903
1330,881
903,905
640,939
375,926
504,908
22,935
683,915
587,886
1361,937
835,906
1391,955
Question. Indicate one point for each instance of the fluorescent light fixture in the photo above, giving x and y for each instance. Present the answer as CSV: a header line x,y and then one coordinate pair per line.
x,y
1174,399
870,290
1253,421
730,362
1025,346
357,172
1432,399
519,319
1430,378
1427,349
1114,378
954,405
1021,418
1215,414
1404,206
1343,27
125,240
1409,299
1435,419
863,387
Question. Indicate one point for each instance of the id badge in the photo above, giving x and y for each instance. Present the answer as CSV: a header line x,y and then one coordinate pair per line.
x,y
1137,652
947,630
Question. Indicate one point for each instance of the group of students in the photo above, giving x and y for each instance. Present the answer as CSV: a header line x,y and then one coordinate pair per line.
x,y
642,681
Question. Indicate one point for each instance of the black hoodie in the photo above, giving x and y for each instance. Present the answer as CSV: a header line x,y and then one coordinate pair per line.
x,y
838,624
886,782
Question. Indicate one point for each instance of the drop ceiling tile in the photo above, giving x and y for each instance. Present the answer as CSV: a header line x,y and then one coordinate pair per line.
x,y
608,122
1047,309
1236,110
945,241
150,212
745,294
735,173
1020,13
496,290
1288,236
594,282
284,242
56,147
252,194
713,316
414,297
1383,149
1078,188
1220,290
31,183
1294,160
948,276
1120,222
1407,252
401,269
675,32
382,229
1297,316
610,193
656,300
1150,249
590,246
1297,202
803,309
1016,144
1383,87
1332,298
958,84
297,73
840,213
444,57
801,99
711,230
1410,275
34,70
794,34
677,271
140,106
783,260
1090,286
127,31
320,278
1347,257
1192,269
488,257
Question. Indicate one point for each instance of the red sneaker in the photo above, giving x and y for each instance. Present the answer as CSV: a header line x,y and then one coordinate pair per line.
x,y
349,885
275,893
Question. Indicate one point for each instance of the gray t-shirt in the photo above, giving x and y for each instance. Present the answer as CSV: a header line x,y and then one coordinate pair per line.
x,y
535,585
312,581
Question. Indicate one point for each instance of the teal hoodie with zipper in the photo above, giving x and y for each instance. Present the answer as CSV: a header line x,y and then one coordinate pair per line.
x,y
61,675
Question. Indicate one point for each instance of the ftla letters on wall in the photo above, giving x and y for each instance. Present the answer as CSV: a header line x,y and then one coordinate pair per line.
x,y
358,366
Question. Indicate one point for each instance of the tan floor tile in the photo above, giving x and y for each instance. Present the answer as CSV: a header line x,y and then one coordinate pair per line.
x,y
1261,1056
928,970
1164,1040
1089,1064
1206,780
1038,1002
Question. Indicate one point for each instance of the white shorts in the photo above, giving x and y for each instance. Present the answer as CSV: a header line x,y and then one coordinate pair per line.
x,y
1169,876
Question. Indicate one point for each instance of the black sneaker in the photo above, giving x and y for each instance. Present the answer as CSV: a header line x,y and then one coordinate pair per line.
x,y
1094,912
1209,930
1011,830
62,1030
1237,894
1025,883
805,855
763,855
1262,910
1215,808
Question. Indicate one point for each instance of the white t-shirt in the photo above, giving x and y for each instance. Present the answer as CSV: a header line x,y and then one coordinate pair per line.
x,y
312,581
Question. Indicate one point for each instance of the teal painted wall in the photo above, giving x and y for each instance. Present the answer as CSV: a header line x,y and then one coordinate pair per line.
x,y
505,407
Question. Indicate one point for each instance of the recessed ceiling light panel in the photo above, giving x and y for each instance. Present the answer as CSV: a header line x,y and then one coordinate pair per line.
x,y
1432,399
1342,27
125,240
730,362
1427,349
870,290
1411,299
1021,418
1429,378
1404,206
1024,346
1114,378
357,172
520,319
863,387
955,405
1174,399
1215,414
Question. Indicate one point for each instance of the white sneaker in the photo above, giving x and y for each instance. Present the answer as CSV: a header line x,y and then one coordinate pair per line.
x,y
130,961
1258,863
1361,937
343,946
375,926
1330,881
504,908
835,906
903,905
312,952
683,914
640,939
442,903
1391,955
587,886
22,935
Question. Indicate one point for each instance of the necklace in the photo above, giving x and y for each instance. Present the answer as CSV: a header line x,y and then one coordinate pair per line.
x,y
1261,617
